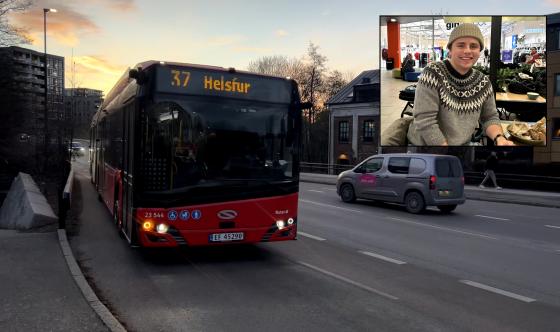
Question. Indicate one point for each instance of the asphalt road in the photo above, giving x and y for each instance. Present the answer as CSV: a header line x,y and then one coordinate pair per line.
x,y
363,266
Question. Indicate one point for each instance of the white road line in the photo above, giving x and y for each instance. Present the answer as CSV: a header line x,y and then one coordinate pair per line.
x,y
311,236
550,226
330,189
316,191
351,282
443,228
331,206
489,217
387,259
498,291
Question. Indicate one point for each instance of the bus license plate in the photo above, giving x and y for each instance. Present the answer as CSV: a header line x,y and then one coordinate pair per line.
x,y
225,237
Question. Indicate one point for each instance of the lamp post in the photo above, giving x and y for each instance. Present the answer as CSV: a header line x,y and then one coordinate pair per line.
x,y
46,108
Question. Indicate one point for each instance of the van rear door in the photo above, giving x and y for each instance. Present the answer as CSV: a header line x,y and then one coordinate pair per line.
x,y
448,178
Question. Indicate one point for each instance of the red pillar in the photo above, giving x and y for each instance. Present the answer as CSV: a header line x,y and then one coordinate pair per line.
x,y
394,42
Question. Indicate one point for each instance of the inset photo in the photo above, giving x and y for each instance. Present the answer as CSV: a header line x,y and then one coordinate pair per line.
x,y
463,80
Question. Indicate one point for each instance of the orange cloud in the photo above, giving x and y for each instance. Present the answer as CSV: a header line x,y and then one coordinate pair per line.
x,y
93,72
65,26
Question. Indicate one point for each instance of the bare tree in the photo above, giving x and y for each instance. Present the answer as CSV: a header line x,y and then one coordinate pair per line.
x,y
9,34
316,85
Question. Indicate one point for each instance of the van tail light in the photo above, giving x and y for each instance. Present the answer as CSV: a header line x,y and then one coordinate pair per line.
x,y
433,182
463,180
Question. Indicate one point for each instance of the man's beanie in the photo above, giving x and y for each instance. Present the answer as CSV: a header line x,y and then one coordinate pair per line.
x,y
466,30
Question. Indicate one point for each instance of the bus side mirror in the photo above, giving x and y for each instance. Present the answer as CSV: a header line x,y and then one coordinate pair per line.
x,y
138,75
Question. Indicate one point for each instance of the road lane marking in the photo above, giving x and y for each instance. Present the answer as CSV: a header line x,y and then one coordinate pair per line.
x,y
311,236
498,291
331,189
550,226
387,259
316,191
331,206
443,228
351,282
489,217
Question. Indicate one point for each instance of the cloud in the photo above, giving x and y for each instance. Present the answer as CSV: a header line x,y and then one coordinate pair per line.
x,y
97,64
65,26
281,33
121,5
92,71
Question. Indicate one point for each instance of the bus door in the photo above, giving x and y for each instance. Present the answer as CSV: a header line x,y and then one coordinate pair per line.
x,y
128,165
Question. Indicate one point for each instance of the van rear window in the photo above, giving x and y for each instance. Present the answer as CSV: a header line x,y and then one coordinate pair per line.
x,y
448,168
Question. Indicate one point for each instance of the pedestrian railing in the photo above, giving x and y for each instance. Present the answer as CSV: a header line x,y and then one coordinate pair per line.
x,y
320,168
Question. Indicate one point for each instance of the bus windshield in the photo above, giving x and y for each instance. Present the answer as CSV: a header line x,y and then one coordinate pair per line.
x,y
209,142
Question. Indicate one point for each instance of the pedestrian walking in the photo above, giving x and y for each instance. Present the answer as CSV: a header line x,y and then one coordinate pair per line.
x,y
490,167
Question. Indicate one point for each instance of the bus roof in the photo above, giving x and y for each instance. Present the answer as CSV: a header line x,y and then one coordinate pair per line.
x,y
127,87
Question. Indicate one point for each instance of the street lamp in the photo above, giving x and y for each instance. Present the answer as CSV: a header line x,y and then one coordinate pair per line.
x,y
46,109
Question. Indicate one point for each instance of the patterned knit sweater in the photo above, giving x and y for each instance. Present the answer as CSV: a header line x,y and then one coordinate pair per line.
x,y
448,106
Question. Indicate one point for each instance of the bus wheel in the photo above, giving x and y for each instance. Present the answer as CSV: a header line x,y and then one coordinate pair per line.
x,y
347,193
414,202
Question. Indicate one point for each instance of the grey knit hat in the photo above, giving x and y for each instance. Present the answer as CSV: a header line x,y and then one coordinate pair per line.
x,y
466,30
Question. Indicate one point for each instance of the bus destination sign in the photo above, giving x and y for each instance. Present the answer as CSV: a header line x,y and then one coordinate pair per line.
x,y
197,81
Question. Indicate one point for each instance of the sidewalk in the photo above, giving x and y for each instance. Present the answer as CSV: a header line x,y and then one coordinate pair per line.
x,y
38,291
514,196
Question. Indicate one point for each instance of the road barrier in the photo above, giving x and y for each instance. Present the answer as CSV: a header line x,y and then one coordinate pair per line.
x,y
65,200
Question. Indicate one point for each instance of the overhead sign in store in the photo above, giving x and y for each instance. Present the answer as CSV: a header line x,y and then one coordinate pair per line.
x,y
513,41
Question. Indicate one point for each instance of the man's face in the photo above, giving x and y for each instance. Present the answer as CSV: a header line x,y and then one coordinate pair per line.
x,y
533,50
464,53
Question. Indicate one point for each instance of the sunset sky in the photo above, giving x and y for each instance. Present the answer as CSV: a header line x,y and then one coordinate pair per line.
x,y
107,36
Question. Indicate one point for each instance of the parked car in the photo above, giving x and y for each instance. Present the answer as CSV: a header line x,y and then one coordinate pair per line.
x,y
415,180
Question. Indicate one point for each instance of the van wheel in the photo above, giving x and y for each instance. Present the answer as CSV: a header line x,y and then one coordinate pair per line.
x,y
347,193
414,202
447,208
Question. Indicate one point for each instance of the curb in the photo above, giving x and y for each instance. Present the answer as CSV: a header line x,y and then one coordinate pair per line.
x,y
100,309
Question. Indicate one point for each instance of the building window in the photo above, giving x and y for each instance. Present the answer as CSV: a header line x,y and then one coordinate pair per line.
x,y
557,85
368,130
343,132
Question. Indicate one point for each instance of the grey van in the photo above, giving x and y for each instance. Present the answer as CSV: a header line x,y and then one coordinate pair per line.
x,y
415,180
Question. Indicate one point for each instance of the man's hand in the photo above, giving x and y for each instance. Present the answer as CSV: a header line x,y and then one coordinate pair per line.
x,y
502,141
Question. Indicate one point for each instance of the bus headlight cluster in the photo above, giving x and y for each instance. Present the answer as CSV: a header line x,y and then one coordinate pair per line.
x,y
281,224
162,228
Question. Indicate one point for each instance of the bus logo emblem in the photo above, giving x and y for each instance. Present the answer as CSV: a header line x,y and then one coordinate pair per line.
x,y
196,214
227,214
172,215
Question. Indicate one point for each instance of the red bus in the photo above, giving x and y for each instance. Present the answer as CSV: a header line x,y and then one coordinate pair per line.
x,y
196,155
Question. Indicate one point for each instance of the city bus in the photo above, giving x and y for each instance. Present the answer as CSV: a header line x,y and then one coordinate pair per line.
x,y
192,155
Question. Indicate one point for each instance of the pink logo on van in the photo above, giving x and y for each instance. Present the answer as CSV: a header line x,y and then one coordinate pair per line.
x,y
368,178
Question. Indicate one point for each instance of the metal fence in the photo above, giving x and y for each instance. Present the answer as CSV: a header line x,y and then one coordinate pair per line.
x,y
320,168
518,181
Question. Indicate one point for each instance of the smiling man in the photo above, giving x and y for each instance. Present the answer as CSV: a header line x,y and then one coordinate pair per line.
x,y
452,99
